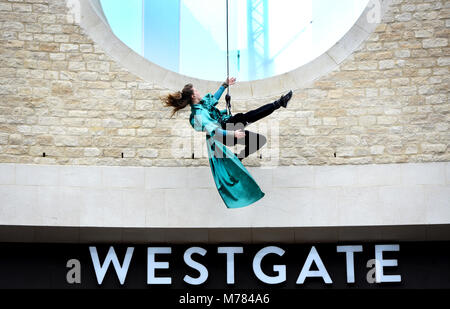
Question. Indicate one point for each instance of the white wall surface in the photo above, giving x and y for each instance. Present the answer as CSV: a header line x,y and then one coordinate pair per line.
x,y
297,197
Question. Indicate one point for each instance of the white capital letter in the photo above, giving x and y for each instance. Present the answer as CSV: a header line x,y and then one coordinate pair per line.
x,y
201,268
350,260
230,251
280,269
313,256
380,277
100,270
152,265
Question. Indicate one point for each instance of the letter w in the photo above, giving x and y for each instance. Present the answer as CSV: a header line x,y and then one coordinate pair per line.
x,y
100,270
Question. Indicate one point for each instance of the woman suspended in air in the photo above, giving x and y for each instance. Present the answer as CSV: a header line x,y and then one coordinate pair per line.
x,y
235,184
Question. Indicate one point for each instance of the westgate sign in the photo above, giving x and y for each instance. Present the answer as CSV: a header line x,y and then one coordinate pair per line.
x,y
266,273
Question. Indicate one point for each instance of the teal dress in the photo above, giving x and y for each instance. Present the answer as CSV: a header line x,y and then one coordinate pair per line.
x,y
234,183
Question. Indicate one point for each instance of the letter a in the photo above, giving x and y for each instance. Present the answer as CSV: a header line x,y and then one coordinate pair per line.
x,y
313,256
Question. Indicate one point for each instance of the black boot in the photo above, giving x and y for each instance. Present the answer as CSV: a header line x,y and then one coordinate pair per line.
x,y
285,99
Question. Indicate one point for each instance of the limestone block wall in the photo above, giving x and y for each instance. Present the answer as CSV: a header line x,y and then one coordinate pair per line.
x,y
62,95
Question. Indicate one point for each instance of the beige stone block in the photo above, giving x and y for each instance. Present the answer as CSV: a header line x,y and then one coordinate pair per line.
x,y
411,149
66,141
67,48
15,139
404,53
386,120
92,152
443,61
329,121
5,7
148,153
4,137
386,64
62,88
437,99
98,66
433,148
126,132
435,42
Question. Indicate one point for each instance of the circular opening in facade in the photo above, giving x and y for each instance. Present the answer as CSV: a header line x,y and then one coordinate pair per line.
x,y
266,37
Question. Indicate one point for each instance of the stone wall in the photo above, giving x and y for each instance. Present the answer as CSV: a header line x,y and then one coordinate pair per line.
x,y
61,95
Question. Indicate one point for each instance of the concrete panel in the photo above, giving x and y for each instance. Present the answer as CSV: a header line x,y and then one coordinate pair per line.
x,y
17,205
423,174
56,206
263,176
170,177
447,169
190,207
174,198
298,176
80,176
135,205
402,205
437,204
359,206
101,207
7,174
334,176
156,214
376,175
123,177
199,177
34,174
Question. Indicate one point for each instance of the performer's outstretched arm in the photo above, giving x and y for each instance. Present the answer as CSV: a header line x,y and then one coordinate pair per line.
x,y
219,92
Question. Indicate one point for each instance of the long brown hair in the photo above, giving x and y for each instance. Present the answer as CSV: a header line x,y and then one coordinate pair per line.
x,y
179,99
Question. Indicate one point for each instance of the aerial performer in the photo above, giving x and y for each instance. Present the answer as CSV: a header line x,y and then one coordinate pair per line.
x,y
234,183
236,186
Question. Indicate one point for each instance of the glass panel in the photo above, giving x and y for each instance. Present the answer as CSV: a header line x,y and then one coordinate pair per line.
x,y
266,37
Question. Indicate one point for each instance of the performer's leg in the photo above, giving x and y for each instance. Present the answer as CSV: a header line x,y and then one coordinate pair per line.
x,y
260,112
252,141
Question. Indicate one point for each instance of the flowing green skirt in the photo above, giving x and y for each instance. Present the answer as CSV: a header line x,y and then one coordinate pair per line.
x,y
235,184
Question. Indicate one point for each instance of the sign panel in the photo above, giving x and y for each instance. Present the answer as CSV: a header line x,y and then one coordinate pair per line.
x,y
226,266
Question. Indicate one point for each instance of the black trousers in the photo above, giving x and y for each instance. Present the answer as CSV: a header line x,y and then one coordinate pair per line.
x,y
252,141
